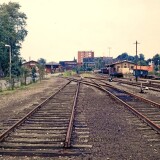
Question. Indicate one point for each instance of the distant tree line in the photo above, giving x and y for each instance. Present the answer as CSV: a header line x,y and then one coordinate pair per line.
x,y
140,59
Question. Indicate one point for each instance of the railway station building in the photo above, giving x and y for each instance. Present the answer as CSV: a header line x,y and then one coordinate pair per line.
x,y
123,67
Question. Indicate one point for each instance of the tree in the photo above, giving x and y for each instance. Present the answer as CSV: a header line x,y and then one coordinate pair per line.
x,y
25,72
34,74
123,56
12,32
41,71
141,60
141,57
156,61
42,61
156,58
149,61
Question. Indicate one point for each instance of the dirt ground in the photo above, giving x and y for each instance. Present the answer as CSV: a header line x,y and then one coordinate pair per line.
x,y
14,103
114,133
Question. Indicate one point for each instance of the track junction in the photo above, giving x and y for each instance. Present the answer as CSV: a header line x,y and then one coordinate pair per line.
x,y
57,127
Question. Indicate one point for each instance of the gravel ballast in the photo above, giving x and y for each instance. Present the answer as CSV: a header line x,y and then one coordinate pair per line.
x,y
114,132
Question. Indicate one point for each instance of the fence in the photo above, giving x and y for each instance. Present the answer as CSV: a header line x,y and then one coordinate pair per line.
x,y
5,84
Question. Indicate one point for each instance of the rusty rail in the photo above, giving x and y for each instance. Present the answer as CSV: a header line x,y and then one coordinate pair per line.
x,y
67,143
144,118
22,120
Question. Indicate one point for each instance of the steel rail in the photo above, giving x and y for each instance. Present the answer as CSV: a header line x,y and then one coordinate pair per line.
x,y
144,118
67,143
132,94
138,97
22,120
153,87
152,81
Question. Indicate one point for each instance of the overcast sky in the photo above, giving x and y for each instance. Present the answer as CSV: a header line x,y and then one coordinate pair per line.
x,y
58,29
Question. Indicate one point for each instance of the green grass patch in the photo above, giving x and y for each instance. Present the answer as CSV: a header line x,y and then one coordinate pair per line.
x,y
68,73
22,87
87,75
8,91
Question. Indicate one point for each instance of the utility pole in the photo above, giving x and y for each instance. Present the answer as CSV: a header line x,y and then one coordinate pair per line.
x,y
136,61
158,66
109,61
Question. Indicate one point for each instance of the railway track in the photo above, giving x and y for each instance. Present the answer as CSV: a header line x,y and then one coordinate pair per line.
x,y
49,129
155,86
145,109
148,112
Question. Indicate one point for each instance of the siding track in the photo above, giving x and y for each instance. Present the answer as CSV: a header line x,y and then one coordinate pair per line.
x,y
152,84
145,109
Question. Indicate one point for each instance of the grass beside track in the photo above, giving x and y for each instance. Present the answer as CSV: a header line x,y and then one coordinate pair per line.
x,y
68,73
22,87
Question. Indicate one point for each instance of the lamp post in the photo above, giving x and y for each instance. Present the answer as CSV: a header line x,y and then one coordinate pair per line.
x,y
9,60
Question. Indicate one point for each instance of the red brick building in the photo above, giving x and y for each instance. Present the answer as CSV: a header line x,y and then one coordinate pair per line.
x,y
84,54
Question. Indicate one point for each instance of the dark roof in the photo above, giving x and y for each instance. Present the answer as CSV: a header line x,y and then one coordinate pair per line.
x,y
30,62
120,62
123,62
52,63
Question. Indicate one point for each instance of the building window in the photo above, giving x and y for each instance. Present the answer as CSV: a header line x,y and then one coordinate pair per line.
x,y
125,66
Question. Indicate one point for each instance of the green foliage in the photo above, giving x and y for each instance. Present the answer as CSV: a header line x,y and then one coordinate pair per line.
x,y
68,73
12,32
126,56
123,56
140,59
42,61
41,70
99,63
25,73
156,59
33,74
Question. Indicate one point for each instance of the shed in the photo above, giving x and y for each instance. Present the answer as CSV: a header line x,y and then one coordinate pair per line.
x,y
51,67
142,71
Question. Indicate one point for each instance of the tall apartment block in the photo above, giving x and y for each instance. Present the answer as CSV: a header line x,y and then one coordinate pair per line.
x,y
84,54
